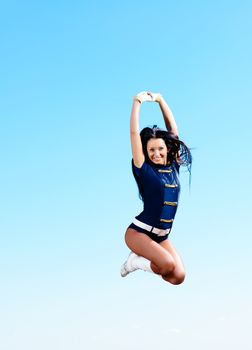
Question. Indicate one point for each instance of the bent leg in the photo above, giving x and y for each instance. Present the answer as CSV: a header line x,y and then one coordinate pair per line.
x,y
178,274
162,261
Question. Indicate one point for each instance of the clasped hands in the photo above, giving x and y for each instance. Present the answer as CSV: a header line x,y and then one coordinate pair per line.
x,y
147,96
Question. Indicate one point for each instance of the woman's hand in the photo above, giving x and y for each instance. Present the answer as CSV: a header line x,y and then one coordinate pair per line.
x,y
143,96
147,96
156,96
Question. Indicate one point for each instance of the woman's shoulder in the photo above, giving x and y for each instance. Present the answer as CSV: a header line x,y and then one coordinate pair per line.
x,y
137,167
145,167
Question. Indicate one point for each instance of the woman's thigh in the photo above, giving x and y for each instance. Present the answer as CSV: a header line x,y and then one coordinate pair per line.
x,y
143,245
178,273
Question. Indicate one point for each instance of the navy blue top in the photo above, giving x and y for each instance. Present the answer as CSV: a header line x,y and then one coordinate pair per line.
x,y
161,187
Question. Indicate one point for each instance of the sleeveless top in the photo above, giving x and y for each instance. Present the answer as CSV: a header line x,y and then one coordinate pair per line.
x,y
161,187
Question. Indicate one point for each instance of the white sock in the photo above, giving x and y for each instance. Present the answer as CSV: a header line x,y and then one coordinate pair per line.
x,y
139,262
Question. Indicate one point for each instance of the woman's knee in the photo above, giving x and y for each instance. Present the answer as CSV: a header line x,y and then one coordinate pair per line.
x,y
165,267
177,278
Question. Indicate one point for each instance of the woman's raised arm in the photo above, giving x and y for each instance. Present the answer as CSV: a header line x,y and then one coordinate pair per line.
x,y
167,114
136,144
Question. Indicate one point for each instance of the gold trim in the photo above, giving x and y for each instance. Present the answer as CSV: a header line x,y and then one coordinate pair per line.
x,y
173,204
171,186
164,171
164,220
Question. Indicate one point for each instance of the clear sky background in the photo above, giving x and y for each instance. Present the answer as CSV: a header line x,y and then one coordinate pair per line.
x,y
68,72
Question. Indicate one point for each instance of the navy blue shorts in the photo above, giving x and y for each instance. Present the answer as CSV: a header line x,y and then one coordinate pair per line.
x,y
153,236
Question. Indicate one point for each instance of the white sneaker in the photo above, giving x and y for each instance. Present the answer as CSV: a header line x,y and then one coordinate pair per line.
x,y
127,266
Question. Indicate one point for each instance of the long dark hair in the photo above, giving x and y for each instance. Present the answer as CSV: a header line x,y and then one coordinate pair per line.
x,y
177,150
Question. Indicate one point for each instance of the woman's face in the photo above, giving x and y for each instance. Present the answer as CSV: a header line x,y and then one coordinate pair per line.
x,y
157,151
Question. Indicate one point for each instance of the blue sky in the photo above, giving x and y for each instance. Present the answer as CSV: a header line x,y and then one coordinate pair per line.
x,y
68,74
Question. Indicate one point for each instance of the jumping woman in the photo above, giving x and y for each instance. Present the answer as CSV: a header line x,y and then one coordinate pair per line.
x,y
157,157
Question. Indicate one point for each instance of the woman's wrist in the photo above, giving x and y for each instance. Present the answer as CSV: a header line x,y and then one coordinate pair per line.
x,y
136,100
159,98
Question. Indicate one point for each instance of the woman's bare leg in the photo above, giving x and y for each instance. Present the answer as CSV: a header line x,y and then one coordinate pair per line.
x,y
178,274
162,261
